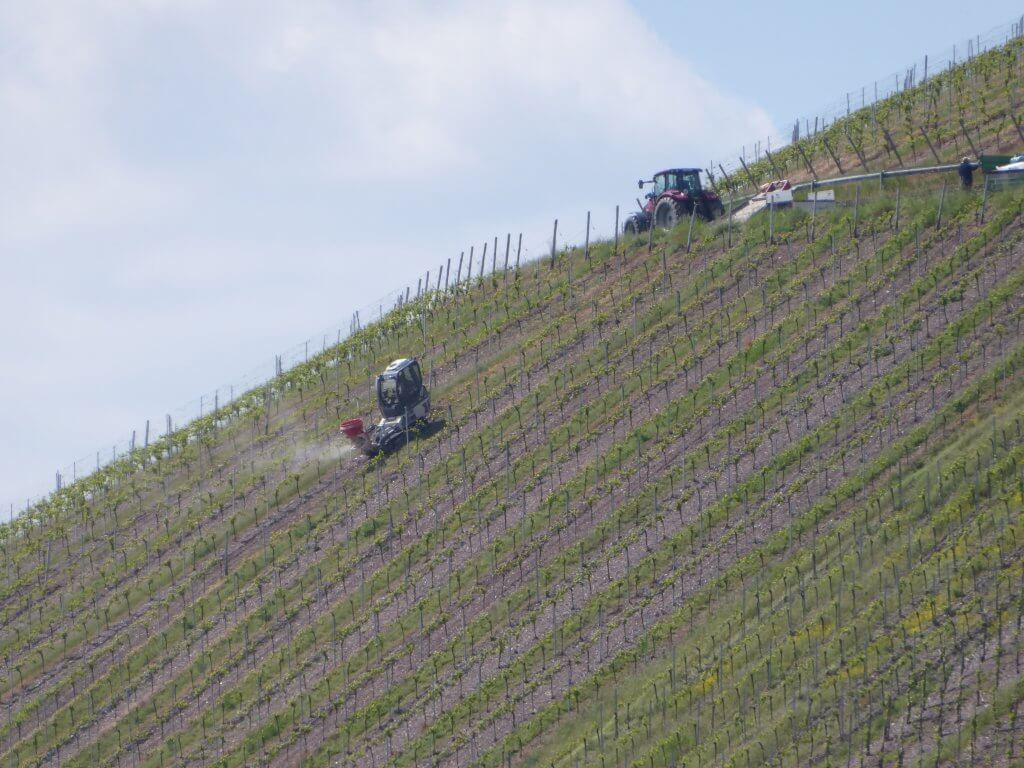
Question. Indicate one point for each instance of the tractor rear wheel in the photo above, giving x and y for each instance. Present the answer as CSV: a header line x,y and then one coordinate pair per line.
x,y
711,210
394,442
669,212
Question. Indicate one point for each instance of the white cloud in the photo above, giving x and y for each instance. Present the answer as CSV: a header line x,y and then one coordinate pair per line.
x,y
61,172
428,88
188,186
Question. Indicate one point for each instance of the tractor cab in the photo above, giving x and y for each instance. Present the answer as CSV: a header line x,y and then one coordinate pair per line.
x,y
400,388
685,180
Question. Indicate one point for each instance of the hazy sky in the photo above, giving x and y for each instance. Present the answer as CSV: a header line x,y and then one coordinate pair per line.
x,y
189,188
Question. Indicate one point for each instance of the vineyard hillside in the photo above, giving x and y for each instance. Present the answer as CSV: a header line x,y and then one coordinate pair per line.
x,y
740,495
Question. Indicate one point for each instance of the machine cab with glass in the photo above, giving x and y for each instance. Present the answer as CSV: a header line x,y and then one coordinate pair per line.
x,y
400,391
681,179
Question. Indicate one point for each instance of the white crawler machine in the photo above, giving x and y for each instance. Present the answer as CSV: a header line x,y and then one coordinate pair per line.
x,y
404,402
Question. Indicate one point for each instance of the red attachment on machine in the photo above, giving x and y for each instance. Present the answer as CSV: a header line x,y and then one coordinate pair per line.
x,y
352,428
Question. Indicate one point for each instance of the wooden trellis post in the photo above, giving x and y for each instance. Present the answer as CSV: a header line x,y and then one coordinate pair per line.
x,y
508,246
856,149
689,232
750,176
586,239
856,210
554,236
942,198
615,252
828,148
967,135
891,143
726,179
729,226
932,146
814,207
810,168
711,178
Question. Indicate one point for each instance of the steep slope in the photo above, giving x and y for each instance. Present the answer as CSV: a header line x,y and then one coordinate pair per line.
x,y
758,502
971,109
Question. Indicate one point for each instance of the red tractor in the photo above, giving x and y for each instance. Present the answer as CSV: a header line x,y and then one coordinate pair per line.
x,y
676,195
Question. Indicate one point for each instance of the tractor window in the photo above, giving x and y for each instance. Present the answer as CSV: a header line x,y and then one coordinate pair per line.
x,y
415,376
388,392
660,184
684,182
409,385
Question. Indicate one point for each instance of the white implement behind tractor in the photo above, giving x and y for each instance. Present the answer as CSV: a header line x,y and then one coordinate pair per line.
x,y
404,403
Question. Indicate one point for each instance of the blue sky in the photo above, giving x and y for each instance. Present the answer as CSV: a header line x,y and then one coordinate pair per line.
x,y
191,187
796,57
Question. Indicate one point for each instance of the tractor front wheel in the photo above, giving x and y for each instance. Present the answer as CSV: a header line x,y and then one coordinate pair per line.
x,y
630,227
669,212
